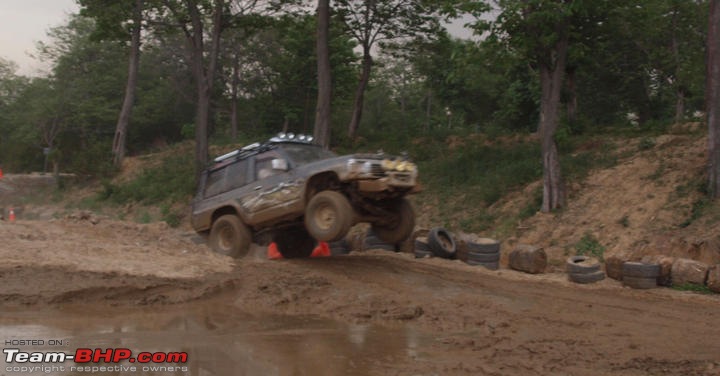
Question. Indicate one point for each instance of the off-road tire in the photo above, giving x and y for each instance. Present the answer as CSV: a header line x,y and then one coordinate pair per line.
x,y
328,216
639,282
404,227
230,237
441,243
640,270
582,265
585,278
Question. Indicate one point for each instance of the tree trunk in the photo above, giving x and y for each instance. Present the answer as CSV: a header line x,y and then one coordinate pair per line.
x,y
360,93
680,106
572,101
120,138
234,98
322,110
204,77
712,96
551,80
428,110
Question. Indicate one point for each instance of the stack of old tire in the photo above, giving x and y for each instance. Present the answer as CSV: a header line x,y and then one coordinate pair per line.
x,y
584,269
639,275
372,241
438,243
422,248
340,247
483,252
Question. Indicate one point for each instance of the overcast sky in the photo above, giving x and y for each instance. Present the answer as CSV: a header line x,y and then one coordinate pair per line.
x,y
24,22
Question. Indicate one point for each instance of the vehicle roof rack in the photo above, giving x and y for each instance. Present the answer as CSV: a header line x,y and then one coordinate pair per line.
x,y
257,147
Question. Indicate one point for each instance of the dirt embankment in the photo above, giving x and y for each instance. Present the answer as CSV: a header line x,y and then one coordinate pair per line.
x,y
649,203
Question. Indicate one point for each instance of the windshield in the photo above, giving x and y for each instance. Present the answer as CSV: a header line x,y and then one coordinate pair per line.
x,y
304,154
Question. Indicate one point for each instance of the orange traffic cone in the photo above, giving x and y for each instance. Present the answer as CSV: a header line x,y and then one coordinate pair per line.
x,y
11,215
273,253
322,250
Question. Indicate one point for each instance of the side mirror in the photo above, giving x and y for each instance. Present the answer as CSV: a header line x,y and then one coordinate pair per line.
x,y
280,164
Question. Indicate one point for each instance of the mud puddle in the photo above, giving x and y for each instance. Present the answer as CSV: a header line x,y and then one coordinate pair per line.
x,y
218,337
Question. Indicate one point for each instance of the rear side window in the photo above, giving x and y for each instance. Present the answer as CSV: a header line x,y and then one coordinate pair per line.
x,y
226,178
215,182
237,174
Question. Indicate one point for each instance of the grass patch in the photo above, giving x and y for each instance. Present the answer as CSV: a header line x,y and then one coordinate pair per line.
x,y
701,289
483,173
590,246
696,211
533,205
172,181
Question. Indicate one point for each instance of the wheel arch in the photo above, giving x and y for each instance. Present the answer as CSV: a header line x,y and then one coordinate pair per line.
x,y
219,212
327,180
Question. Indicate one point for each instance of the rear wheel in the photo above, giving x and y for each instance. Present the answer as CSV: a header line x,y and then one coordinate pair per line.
x,y
328,216
229,236
403,226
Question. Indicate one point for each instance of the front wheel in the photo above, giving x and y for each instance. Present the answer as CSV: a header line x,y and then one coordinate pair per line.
x,y
328,216
403,226
230,237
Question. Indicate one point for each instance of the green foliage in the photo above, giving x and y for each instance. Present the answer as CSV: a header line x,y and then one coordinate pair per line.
x,y
646,143
485,172
590,246
171,217
533,206
171,181
696,211
700,289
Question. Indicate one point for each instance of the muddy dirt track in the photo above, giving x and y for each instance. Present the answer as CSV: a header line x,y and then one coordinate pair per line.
x,y
480,322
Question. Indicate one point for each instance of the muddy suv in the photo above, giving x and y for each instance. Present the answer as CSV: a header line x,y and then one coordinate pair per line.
x,y
288,182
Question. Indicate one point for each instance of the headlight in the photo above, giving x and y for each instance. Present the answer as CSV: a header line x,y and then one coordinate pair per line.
x,y
388,165
401,166
357,166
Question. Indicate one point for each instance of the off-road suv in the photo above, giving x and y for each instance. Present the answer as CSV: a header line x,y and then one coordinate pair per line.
x,y
288,181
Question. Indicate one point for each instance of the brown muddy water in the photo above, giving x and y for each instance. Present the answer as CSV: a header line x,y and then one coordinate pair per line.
x,y
219,338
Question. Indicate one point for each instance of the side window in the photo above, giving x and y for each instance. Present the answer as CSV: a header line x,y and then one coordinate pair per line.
x,y
237,174
263,165
263,168
215,182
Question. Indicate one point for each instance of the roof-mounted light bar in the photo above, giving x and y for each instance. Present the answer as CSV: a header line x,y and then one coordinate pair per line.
x,y
285,137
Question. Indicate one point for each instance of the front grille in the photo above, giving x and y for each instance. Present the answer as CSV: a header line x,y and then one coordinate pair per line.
x,y
377,170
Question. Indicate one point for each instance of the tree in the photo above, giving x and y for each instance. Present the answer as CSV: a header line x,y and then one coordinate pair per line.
x,y
377,21
120,138
712,98
110,20
540,31
192,20
322,113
